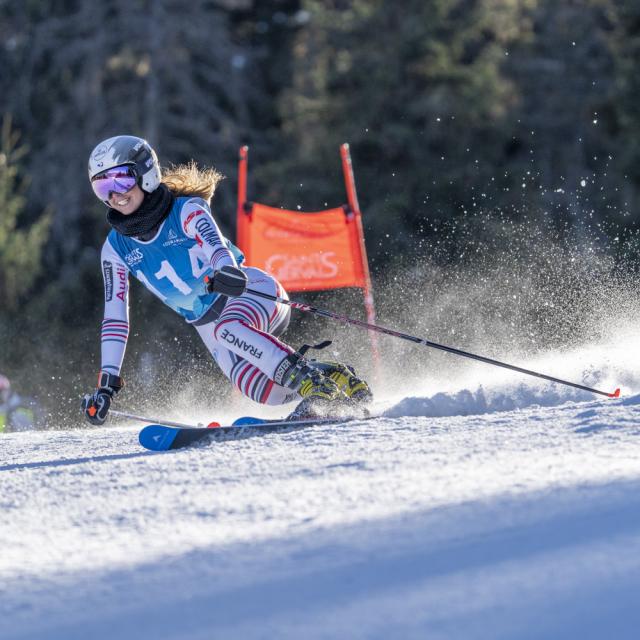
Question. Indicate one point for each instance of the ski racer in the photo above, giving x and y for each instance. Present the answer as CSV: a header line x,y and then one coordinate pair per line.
x,y
164,235
17,413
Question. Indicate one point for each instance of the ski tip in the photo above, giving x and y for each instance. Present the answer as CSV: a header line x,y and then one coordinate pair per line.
x,y
615,394
157,437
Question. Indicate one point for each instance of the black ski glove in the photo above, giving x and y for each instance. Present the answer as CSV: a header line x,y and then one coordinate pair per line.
x,y
96,406
228,281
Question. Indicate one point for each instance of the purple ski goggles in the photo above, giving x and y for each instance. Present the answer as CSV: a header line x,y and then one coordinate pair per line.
x,y
115,180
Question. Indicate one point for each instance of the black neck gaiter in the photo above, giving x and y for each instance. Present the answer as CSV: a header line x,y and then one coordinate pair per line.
x,y
154,209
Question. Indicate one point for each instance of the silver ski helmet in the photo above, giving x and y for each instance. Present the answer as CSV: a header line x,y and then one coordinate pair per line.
x,y
131,151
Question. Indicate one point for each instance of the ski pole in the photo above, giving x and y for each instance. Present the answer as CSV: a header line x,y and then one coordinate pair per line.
x,y
405,336
167,423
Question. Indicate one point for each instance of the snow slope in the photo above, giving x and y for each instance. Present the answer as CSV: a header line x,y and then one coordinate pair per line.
x,y
511,511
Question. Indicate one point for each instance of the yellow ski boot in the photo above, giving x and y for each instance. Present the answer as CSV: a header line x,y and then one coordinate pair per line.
x,y
346,380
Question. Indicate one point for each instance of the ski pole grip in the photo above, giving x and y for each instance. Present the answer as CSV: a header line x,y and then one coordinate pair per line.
x,y
229,281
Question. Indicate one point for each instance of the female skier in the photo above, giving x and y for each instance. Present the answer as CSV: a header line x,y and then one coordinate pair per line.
x,y
164,235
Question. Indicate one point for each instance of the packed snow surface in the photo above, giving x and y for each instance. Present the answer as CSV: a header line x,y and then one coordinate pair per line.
x,y
501,512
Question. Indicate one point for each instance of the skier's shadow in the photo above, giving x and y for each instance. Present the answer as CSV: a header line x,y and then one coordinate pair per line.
x,y
64,463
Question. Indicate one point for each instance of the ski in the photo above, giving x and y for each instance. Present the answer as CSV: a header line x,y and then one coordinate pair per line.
x,y
160,437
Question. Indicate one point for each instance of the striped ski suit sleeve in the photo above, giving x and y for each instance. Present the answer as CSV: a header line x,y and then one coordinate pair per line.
x,y
198,223
115,325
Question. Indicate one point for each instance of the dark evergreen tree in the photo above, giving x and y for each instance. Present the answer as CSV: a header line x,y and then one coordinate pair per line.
x,y
20,244
90,70
624,106
418,93
560,150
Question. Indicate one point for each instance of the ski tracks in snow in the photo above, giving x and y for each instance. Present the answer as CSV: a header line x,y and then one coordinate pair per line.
x,y
424,523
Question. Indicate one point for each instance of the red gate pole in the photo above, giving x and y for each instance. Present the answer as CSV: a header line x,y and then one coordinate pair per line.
x,y
242,222
352,199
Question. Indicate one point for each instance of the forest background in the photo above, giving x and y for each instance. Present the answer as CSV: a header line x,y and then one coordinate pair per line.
x,y
495,143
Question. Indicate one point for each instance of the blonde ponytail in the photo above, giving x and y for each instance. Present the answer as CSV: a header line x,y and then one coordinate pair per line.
x,y
189,180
